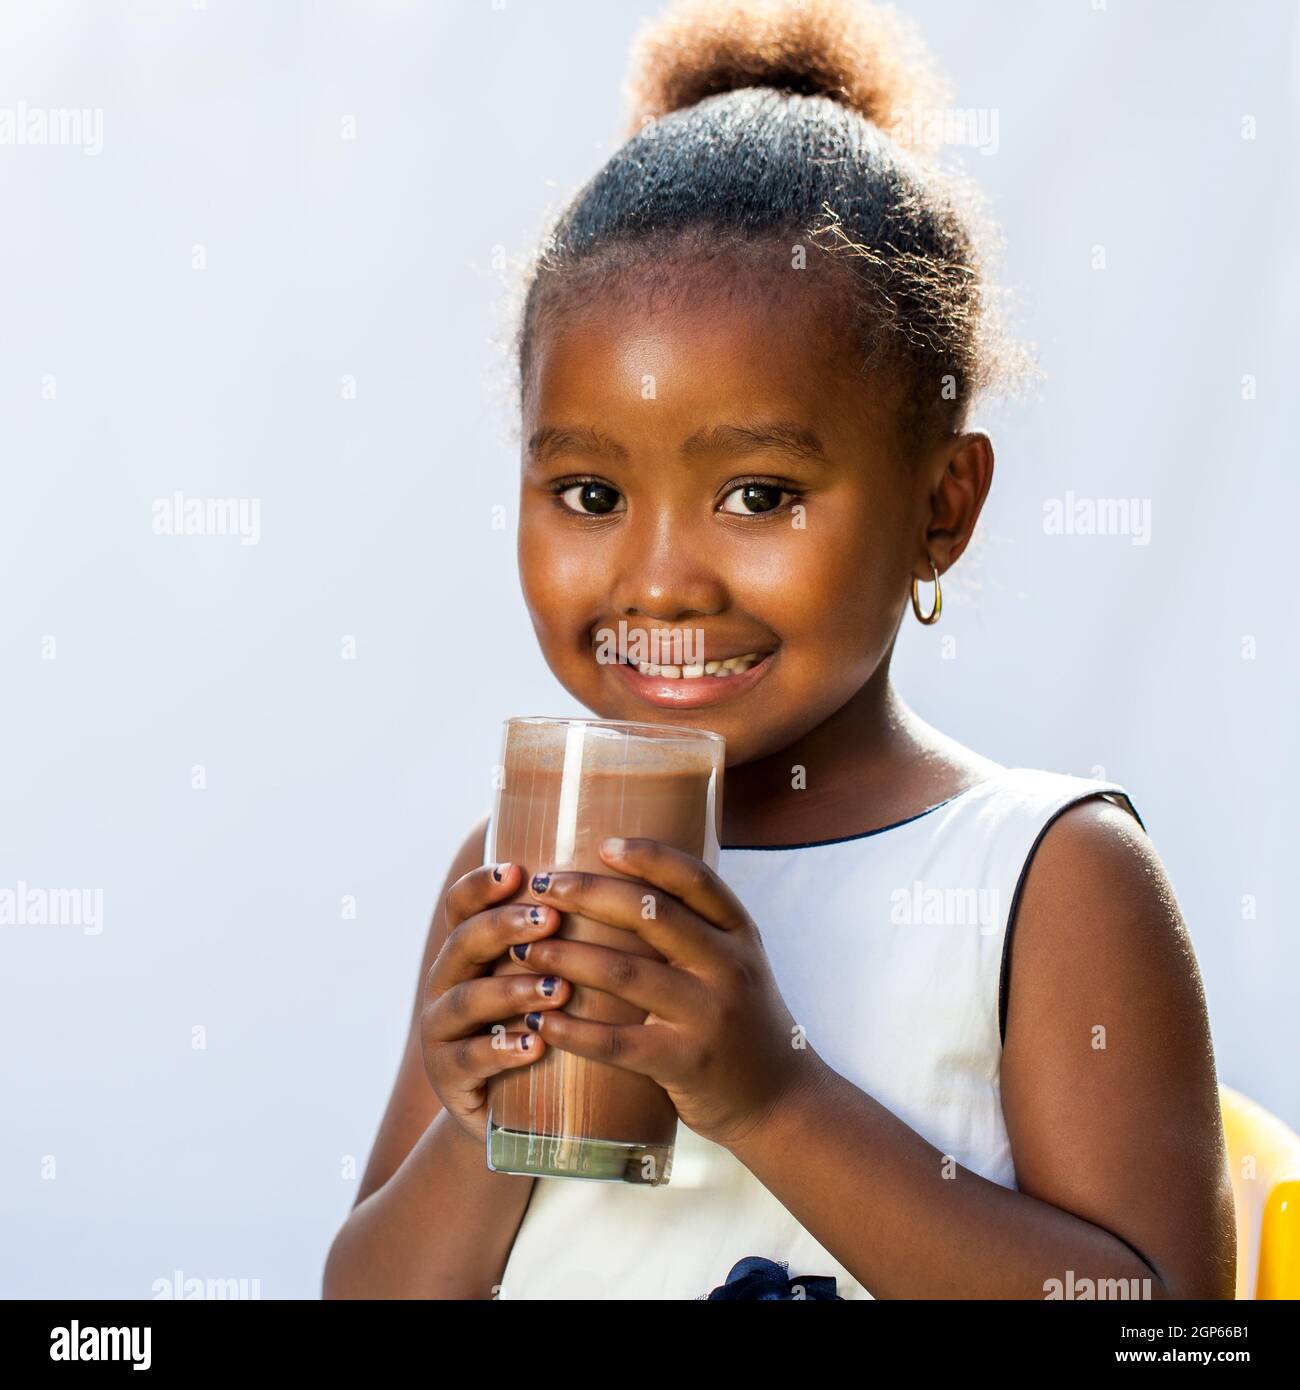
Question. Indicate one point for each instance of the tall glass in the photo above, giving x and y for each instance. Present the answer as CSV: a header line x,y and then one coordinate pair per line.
x,y
565,785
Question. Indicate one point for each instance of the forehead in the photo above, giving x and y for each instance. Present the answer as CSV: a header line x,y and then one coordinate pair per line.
x,y
703,344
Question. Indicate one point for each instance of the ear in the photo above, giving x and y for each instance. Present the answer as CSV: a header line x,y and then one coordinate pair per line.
x,y
958,475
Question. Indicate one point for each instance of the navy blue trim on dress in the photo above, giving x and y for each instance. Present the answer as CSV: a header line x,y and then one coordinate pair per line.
x,y
1004,974
756,1278
866,834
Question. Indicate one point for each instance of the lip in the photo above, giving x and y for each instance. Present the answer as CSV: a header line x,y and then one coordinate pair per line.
x,y
680,693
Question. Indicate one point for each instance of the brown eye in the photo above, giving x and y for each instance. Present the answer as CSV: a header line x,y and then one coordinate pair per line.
x,y
754,498
592,499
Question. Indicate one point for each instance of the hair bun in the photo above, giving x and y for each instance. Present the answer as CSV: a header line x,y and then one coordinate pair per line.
x,y
864,56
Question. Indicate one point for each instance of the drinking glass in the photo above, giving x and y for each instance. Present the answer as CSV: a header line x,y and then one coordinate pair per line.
x,y
564,785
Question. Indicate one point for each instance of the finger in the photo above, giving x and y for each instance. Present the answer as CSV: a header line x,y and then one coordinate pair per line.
x,y
650,985
465,1064
650,1049
480,888
486,937
686,877
656,917
466,1008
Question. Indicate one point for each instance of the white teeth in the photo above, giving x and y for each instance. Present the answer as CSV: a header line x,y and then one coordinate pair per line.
x,y
732,666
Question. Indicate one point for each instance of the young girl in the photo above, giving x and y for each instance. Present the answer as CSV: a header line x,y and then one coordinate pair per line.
x,y
934,1029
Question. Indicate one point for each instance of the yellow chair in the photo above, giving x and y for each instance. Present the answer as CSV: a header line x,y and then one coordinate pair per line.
x,y
1264,1161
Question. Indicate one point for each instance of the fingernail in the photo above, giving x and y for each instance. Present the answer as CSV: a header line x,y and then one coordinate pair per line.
x,y
534,1021
616,844
541,882
525,1042
548,985
499,873
536,916
520,951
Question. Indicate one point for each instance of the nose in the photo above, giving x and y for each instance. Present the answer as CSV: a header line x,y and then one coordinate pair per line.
x,y
666,576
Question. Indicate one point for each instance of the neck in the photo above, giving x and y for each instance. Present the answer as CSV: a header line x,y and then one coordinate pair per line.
x,y
856,764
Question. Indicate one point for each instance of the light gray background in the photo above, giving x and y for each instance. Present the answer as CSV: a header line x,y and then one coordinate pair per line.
x,y
377,258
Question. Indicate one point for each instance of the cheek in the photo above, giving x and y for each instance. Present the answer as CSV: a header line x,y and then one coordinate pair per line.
x,y
536,578
836,576
556,577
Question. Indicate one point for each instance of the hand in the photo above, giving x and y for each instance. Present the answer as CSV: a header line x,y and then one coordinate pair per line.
x,y
717,1036
461,999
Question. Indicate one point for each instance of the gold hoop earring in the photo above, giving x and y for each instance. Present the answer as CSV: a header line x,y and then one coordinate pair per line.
x,y
938,600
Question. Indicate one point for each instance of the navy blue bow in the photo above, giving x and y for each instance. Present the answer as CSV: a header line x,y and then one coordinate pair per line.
x,y
757,1278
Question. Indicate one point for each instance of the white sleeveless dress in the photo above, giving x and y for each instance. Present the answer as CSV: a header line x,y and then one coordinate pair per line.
x,y
889,948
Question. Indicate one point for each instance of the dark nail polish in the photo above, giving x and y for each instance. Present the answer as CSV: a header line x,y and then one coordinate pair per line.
x,y
534,1021
548,985
520,951
496,873
541,882
526,1042
535,916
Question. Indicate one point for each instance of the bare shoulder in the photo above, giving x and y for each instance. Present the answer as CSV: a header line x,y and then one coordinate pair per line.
x,y
1098,927
1096,889
413,1104
1108,1078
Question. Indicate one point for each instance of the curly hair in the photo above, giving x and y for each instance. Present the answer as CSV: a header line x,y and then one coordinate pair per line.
x,y
771,136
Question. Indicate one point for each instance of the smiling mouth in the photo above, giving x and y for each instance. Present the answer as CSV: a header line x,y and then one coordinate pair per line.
x,y
728,666
690,687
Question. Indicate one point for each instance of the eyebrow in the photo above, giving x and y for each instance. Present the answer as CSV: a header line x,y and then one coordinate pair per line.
x,y
550,440
778,437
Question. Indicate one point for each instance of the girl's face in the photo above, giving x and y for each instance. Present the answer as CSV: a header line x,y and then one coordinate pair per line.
x,y
707,468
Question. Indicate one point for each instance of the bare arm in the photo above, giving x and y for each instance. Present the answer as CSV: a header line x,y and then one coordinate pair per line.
x,y
430,1219
1110,1098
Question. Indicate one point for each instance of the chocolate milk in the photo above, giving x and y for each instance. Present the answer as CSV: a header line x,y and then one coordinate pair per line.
x,y
552,816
